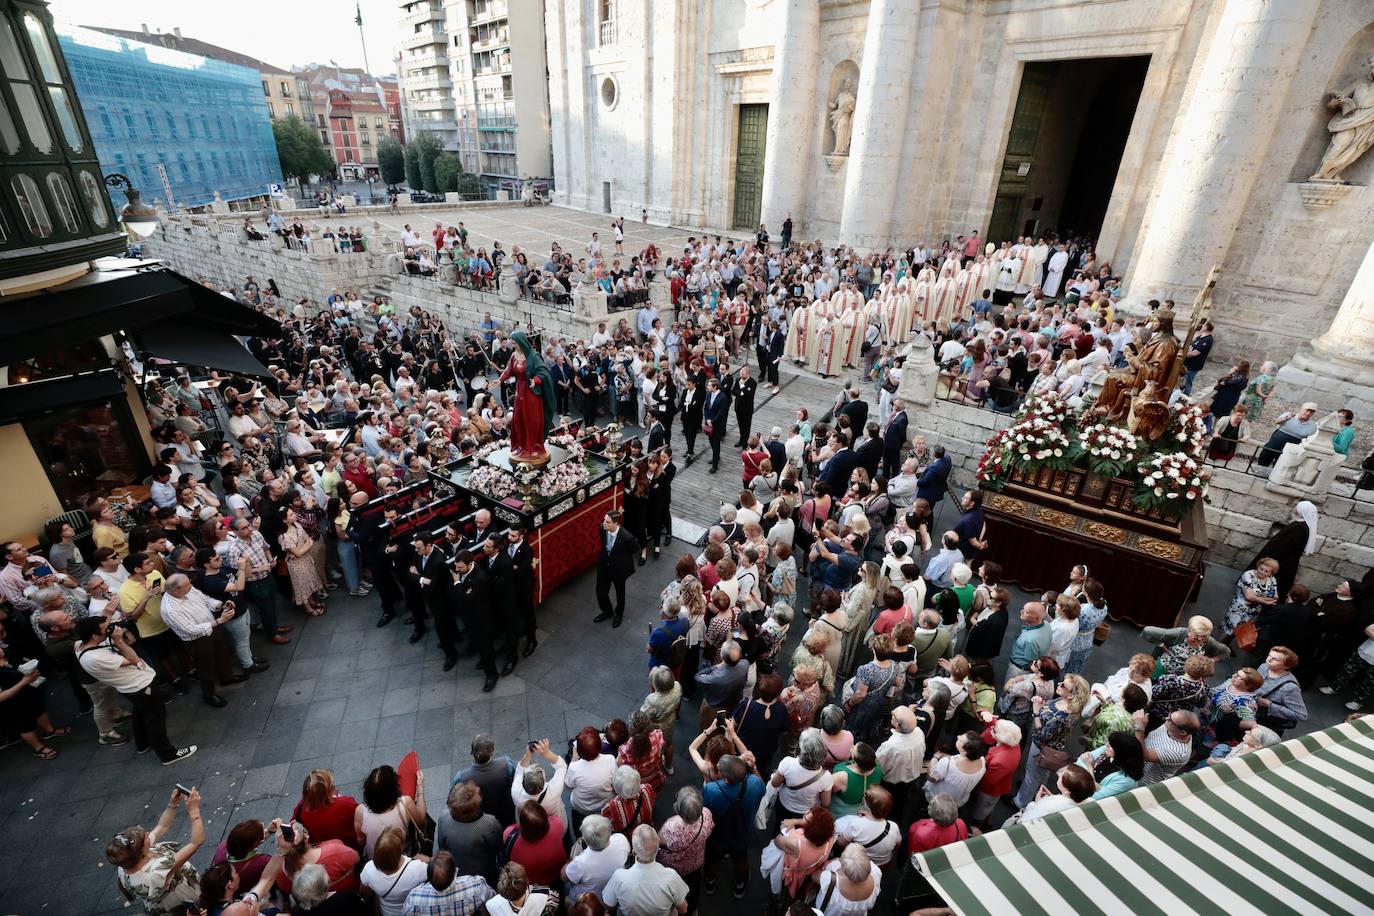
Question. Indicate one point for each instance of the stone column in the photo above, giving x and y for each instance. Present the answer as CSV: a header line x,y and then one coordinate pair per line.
x,y
880,115
1235,95
1337,369
792,113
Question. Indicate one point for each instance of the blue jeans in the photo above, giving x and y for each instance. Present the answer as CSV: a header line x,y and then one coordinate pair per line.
x,y
237,629
1187,386
348,559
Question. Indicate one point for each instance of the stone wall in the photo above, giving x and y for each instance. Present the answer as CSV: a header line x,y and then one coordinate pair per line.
x,y
215,249
1242,516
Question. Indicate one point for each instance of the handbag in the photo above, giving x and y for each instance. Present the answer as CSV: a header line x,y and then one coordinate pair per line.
x,y
1102,631
1247,635
1051,759
417,843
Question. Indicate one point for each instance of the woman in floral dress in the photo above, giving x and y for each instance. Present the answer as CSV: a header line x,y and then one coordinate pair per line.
x,y
1259,389
1256,589
875,685
1231,708
159,874
305,581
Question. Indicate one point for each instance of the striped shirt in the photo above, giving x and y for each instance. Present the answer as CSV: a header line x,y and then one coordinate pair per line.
x,y
191,616
1172,753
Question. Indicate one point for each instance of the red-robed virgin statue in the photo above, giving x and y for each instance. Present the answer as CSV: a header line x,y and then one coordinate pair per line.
x,y
534,403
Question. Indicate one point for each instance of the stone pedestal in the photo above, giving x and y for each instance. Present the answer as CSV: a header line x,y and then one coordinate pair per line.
x,y
1306,469
919,373
880,111
1337,369
1235,94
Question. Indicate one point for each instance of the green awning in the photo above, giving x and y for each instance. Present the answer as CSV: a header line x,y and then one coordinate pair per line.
x,y
1289,829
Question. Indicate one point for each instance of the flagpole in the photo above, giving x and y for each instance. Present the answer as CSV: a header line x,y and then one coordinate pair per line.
x,y
362,37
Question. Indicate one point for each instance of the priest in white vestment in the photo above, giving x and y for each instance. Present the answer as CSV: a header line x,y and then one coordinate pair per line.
x,y
1054,275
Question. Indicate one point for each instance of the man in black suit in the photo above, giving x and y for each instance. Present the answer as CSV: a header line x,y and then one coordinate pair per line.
x,y
777,452
618,551
658,436
856,410
869,454
692,406
523,568
474,604
496,563
365,529
742,391
1017,361
840,467
931,486
715,413
777,342
481,520
894,437
426,573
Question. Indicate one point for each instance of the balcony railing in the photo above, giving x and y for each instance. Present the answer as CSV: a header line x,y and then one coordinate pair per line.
x,y
496,122
608,32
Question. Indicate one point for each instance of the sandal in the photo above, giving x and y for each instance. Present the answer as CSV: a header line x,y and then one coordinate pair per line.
x,y
46,753
59,732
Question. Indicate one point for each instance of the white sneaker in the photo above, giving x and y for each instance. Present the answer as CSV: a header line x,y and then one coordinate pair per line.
x,y
1353,706
1328,690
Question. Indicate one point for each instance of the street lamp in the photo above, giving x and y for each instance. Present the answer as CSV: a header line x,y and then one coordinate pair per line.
x,y
139,219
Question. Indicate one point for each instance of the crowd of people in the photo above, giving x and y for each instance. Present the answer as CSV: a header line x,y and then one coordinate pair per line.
x,y
841,664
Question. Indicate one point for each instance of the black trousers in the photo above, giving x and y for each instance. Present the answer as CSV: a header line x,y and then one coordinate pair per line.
x,y
762,354
604,582
691,427
892,463
150,721
716,437
520,622
445,626
745,420
773,371
211,655
480,633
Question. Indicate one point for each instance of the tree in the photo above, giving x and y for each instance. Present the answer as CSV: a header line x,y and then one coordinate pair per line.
x,y
300,150
412,163
447,169
469,185
427,149
391,160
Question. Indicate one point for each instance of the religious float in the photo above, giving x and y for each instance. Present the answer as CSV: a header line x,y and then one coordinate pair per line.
x,y
558,482
1115,482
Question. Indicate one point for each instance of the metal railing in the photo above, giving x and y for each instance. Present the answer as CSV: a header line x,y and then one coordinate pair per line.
x,y
606,32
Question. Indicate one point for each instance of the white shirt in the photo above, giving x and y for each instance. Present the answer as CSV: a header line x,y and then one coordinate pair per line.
x,y
590,782
865,830
191,616
801,798
901,756
838,904
107,666
551,798
1044,807
1062,634
391,890
646,889
590,870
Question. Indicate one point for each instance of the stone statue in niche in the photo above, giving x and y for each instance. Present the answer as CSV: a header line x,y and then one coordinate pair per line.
x,y
842,118
1352,128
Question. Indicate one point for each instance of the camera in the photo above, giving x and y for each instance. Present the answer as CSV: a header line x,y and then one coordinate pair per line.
x,y
720,719
288,833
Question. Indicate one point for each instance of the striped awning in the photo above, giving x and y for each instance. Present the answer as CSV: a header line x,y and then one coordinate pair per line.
x,y
1289,829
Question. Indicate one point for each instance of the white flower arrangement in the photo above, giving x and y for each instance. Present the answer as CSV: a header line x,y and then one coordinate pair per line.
x,y
1172,482
1109,449
491,481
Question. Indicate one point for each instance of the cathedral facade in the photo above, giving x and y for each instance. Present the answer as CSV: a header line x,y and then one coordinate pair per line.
x,y
1178,133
